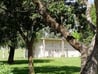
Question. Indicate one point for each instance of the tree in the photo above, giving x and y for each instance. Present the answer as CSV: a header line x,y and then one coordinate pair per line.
x,y
62,29
8,36
27,26
91,66
20,22
59,27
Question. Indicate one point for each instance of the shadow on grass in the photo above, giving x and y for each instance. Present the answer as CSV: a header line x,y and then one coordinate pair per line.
x,y
16,62
49,70
57,70
26,61
20,70
42,60
44,69
35,61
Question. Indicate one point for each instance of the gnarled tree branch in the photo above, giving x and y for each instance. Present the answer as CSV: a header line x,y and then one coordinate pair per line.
x,y
52,23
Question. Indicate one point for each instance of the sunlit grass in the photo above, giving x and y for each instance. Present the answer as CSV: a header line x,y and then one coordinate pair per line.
x,y
48,66
58,66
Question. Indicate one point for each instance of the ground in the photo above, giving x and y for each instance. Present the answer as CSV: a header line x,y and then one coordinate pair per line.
x,y
46,65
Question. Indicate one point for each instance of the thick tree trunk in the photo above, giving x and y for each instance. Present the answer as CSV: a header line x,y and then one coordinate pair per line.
x,y
84,53
91,46
91,66
11,55
30,57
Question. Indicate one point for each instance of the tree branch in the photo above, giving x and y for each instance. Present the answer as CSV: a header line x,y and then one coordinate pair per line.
x,y
90,23
3,8
22,34
52,23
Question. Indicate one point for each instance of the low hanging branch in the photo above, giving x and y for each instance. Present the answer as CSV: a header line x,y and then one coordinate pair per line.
x,y
52,23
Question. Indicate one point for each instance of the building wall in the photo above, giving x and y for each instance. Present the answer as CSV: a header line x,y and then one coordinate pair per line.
x,y
54,48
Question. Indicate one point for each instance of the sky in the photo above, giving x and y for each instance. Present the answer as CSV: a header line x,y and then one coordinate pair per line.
x,y
91,1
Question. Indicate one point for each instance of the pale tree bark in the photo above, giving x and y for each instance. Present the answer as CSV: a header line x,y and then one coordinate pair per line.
x,y
93,28
91,46
92,25
91,66
88,20
88,15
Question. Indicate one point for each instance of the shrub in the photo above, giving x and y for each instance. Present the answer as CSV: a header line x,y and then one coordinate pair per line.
x,y
76,35
5,69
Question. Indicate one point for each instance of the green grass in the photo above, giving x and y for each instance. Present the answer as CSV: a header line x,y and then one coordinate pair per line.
x,y
48,66
43,65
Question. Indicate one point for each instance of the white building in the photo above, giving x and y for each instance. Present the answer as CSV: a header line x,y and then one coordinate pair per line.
x,y
51,47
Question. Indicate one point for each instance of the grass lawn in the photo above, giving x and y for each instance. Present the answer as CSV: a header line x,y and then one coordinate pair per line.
x,y
48,66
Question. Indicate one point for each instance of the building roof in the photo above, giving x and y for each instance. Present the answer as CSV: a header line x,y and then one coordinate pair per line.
x,y
53,39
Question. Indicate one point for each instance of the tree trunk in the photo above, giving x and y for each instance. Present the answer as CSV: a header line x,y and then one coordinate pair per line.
x,y
11,55
91,46
84,53
30,57
91,66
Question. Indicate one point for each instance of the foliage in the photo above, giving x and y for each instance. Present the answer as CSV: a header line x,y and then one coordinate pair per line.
x,y
17,18
66,15
61,12
87,39
93,15
76,35
5,69
7,29
23,15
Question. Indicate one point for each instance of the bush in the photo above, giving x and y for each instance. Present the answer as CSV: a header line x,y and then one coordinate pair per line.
x,y
76,35
5,69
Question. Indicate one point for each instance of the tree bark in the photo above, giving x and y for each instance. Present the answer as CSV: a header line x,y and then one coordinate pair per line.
x,y
30,57
11,55
29,45
93,28
91,66
91,46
